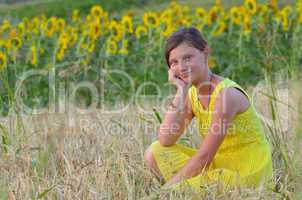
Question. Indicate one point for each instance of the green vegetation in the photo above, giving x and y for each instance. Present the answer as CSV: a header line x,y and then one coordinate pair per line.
x,y
55,151
63,8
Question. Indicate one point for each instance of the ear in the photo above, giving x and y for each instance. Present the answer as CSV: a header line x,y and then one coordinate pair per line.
x,y
206,51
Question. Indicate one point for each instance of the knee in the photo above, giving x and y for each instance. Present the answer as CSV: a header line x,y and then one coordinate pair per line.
x,y
149,158
149,154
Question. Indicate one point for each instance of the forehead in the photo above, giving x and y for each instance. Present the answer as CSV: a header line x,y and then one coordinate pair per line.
x,y
182,49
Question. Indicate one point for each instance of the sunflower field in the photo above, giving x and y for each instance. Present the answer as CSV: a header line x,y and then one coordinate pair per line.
x,y
69,68
117,53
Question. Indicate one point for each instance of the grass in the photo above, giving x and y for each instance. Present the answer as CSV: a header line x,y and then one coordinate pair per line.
x,y
97,156
100,156
50,7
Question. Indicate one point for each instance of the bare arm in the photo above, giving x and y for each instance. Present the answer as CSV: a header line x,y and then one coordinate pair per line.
x,y
229,102
176,118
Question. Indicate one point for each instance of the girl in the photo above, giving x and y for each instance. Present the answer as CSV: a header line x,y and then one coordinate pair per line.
x,y
234,149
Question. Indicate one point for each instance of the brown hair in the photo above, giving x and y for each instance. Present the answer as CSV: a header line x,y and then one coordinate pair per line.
x,y
191,36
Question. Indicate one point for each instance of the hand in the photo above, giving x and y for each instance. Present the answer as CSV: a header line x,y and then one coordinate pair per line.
x,y
177,81
167,186
172,182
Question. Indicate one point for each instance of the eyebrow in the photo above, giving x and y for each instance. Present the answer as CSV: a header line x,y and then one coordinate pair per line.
x,y
172,60
185,55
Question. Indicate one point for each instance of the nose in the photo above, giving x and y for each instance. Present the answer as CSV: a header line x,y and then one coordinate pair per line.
x,y
182,67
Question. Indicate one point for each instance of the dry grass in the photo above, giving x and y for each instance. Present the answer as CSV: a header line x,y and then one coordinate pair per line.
x,y
100,156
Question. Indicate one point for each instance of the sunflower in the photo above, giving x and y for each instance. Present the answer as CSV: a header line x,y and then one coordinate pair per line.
x,y
43,19
299,10
151,19
7,45
32,56
60,24
91,46
105,19
13,55
127,23
214,13
75,15
219,29
218,2
262,9
236,16
41,51
26,21
97,11
166,15
300,18
168,30
2,43
124,48
6,25
246,24
63,40
13,32
2,61
299,5
287,10
274,4
34,25
200,26
15,42
50,26
285,24
284,13
89,18
200,13
111,46
85,39
130,13
211,62
60,54
251,6
36,21
73,36
281,17
21,28
176,8
84,61
116,30
140,30
95,29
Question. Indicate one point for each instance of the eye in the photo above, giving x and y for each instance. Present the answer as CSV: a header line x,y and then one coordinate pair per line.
x,y
173,62
187,58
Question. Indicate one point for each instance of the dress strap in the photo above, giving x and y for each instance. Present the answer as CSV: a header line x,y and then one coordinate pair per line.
x,y
226,83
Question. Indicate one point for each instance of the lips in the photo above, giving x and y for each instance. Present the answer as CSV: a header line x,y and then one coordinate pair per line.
x,y
185,74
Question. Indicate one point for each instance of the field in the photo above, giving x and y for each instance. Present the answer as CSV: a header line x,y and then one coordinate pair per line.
x,y
83,87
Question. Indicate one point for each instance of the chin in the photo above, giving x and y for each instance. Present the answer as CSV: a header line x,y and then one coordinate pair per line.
x,y
186,80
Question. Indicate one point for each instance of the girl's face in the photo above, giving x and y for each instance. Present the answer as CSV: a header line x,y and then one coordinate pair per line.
x,y
189,63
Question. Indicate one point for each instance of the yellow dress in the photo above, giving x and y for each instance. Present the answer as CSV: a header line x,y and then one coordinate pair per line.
x,y
243,158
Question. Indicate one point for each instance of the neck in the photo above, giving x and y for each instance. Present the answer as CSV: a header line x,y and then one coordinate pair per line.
x,y
204,87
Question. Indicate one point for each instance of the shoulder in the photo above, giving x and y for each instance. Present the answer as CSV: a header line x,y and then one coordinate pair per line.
x,y
230,100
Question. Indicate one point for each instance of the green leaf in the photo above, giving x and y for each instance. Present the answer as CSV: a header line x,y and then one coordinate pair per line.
x,y
41,195
157,115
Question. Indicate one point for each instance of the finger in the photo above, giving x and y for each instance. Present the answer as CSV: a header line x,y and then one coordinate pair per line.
x,y
171,75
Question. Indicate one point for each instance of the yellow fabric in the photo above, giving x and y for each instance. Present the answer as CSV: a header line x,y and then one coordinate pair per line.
x,y
243,158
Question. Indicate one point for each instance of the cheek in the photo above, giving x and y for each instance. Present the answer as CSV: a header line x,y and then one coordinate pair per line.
x,y
195,65
176,70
